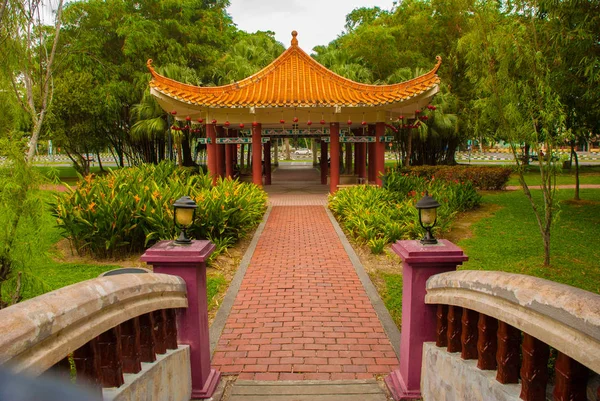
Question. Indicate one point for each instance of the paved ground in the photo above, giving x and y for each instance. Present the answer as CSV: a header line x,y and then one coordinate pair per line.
x,y
301,312
346,390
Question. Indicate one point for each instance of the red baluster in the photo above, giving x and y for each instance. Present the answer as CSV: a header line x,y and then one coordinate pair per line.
x,y
147,341
487,342
454,328
109,347
441,338
570,382
160,332
87,364
468,336
508,355
131,348
171,320
534,369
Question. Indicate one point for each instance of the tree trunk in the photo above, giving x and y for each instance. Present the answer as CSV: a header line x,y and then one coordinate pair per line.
x,y
574,156
188,161
287,149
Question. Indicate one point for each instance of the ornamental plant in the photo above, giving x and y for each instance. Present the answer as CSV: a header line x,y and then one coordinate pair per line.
x,y
130,209
481,177
376,216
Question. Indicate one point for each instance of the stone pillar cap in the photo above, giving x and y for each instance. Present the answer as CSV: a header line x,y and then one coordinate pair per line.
x,y
167,252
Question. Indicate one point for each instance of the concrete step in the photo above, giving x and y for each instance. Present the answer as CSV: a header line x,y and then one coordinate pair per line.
x,y
305,390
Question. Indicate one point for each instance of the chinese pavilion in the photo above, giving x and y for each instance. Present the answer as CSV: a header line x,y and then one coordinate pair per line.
x,y
295,91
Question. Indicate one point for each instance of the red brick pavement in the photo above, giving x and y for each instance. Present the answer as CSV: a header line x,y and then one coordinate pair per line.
x,y
301,311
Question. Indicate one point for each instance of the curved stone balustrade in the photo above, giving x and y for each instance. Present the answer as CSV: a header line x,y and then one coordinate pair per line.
x,y
507,323
39,333
559,315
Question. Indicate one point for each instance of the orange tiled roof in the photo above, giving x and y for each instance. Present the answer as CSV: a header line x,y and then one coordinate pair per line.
x,y
294,79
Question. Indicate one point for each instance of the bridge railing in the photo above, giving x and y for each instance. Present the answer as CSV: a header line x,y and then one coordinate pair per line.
x,y
107,326
508,322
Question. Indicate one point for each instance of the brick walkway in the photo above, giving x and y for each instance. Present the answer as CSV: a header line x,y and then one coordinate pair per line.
x,y
301,312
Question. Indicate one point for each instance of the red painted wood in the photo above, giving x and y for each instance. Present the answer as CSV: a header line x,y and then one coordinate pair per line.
x,y
487,342
160,332
257,154
171,320
109,348
468,335
131,348
87,365
508,355
441,330
147,341
454,328
570,379
534,369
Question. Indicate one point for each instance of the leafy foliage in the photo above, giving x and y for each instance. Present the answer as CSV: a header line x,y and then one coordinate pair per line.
x,y
130,209
481,177
21,208
377,216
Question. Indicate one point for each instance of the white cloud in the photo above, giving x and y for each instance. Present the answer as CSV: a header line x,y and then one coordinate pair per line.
x,y
317,22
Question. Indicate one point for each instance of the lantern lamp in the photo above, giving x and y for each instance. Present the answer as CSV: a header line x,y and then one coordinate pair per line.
x,y
427,207
184,211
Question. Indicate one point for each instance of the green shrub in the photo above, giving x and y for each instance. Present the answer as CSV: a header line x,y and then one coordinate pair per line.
x,y
377,216
481,177
130,209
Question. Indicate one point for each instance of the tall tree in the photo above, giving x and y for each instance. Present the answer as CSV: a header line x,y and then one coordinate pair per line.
x,y
510,64
29,57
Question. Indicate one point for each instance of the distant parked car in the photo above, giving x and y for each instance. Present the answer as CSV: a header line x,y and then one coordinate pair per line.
x,y
303,152
535,157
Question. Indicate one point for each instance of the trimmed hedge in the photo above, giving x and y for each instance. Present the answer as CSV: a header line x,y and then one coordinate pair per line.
x,y
482,177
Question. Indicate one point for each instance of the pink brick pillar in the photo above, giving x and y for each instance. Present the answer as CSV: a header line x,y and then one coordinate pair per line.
x,y
189,263
419,262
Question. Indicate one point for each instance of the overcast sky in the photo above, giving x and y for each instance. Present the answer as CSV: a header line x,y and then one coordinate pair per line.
x,y
318,22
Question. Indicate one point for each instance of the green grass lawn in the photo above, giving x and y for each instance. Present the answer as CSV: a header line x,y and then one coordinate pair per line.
x,y
510,240
587,175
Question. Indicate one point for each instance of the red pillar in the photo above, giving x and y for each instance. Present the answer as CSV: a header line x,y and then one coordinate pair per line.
x,y
371,155
419,262
189,263
267,158
334,168
324,166
229,149
220,153
379,153
256,154
211,151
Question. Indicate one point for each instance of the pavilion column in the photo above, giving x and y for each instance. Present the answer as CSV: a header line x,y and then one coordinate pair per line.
x,y
356,133
220,153
324,167
229,149
361,160
348,169
371,156
256,153
334,168
211,151
267,157
242,146
314,151
276,151
379,152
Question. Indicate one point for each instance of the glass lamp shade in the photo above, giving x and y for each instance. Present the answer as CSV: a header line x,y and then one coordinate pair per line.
x,y
428,217
184,217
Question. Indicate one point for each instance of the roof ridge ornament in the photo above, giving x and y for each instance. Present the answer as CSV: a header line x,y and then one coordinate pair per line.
x,y
294,40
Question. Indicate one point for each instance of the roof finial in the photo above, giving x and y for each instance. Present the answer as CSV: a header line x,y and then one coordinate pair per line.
x,y
294,40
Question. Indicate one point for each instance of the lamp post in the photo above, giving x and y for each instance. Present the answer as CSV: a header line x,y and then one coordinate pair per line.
x,y
427,207
185,209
